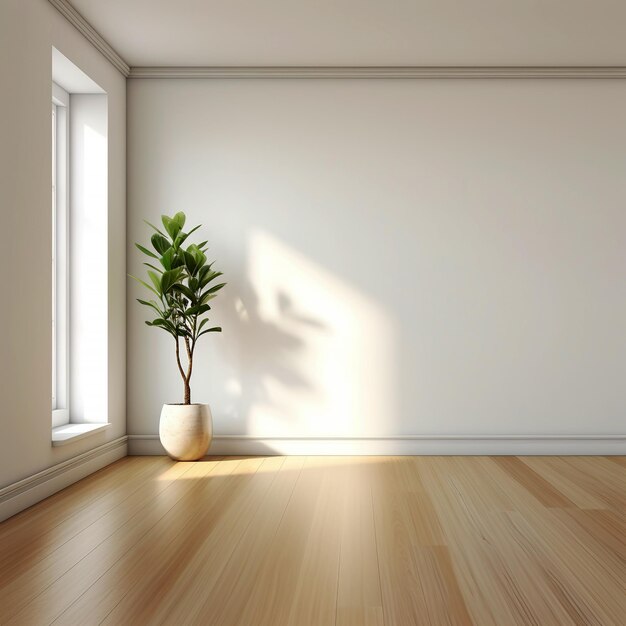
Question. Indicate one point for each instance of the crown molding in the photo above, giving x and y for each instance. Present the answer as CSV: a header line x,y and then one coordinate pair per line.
x,y
91,34
367,72
406,72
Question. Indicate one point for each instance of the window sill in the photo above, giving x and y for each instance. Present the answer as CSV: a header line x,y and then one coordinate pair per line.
x,y
68,433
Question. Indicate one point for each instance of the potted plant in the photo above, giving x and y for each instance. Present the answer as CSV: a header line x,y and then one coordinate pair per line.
x,y
182,283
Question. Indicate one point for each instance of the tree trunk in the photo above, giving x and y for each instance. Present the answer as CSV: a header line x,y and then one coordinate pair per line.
x,y
187,392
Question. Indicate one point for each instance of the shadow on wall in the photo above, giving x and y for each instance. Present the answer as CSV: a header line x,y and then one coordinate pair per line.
x,y
303,352
264,362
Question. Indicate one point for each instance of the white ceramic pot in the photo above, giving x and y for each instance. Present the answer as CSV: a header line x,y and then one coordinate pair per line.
x,y
186,430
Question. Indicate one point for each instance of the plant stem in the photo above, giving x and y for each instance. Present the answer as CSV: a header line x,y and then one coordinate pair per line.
x,y
189,369
187,390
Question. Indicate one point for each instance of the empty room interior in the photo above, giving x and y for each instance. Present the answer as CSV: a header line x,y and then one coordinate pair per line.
x,y
313,313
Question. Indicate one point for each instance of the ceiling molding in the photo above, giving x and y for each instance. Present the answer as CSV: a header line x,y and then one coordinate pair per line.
x,y
91,34
407,72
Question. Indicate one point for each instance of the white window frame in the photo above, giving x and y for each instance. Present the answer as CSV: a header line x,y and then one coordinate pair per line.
x,y
60,257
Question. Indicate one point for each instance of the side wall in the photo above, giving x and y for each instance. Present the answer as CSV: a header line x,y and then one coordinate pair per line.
x,y
28,31
403,257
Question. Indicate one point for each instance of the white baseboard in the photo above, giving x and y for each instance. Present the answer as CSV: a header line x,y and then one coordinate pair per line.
x,y
408,444
20,495
24,493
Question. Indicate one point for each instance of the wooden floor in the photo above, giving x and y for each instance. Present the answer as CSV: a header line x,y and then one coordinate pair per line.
x,y
324,540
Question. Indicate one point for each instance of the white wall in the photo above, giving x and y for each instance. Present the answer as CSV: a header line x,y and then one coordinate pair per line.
x,y
403,257
28,30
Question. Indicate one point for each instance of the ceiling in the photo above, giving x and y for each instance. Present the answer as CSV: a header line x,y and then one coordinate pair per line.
x,y
361,32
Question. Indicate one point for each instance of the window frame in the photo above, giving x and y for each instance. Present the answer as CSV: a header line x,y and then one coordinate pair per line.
x,y
60,257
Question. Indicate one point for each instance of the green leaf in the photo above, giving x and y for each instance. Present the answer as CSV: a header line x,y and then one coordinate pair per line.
x,y
202,323
164,324
173,225
198,309
182,236
167,222
154,267
215,329
213,289
198,255
155,228
185,291
156,293
152,304
204,270
160,243
180,219
156,281
208,277
191,263
146,251
209,294
169,278
168,258
207,297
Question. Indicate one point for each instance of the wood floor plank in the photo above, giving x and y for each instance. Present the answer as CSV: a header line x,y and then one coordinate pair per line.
x,y
403,599
581,587
222,604
571,560
444,601
414,568
315,596
292,552
197,558
583,534
26,551
83,500
56,598
359,598
513,570
157,548
556,472
487,494
337,541
39,571
605,480
537,485
489,595
69,499
618,460
606,527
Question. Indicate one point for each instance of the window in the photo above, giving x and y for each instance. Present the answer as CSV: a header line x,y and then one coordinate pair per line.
x,y
80,304
60,260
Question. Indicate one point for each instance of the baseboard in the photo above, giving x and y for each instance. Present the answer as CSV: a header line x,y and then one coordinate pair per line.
x,y
408,444
20,495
